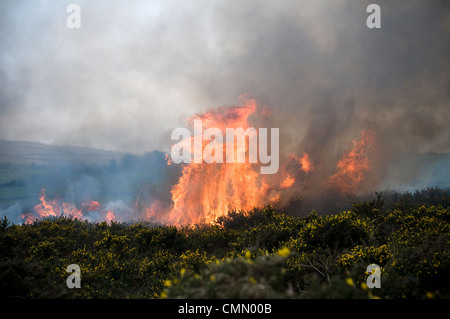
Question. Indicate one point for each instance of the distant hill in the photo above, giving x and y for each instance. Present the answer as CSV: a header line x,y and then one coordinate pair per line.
x,y
419,171
75,174
25,153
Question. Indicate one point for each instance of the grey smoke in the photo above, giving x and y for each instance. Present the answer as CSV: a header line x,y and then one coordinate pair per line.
x,y
130,74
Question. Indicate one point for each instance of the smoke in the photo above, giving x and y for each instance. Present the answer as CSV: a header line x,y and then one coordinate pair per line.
x,y
129,75
137,70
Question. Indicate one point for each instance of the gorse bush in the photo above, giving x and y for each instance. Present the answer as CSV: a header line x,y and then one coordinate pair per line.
x,y
262,253
241,277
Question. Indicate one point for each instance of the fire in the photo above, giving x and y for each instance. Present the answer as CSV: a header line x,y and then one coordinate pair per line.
x,y
56,208
71,211
353,167
168,159
45,209
91,206
28,217
110,216
206,191
287,182
305,163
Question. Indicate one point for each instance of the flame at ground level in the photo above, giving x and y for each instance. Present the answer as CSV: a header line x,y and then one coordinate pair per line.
x,y
58,208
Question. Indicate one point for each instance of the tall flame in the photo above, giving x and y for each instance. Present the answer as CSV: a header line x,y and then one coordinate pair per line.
x,y
206,191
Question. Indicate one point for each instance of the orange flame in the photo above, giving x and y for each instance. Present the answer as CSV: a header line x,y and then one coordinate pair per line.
x,y
305,162
46,209
353,167
90,206
110,216
56,208
71,211
168,159
206,191
287,182
28,217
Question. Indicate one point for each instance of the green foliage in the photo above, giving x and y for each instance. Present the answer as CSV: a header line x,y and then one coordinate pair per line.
x,y
241,277
262,253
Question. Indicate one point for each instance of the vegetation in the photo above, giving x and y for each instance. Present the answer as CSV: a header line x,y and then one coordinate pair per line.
x,y
262,253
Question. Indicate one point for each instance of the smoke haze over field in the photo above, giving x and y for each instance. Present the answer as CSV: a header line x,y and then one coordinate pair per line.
x,y
136,70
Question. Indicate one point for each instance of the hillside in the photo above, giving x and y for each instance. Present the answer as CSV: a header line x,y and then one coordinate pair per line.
x,y
73,173
25,153
257,254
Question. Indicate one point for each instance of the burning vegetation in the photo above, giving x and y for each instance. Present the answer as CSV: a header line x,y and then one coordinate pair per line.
x,y
58,208
204,191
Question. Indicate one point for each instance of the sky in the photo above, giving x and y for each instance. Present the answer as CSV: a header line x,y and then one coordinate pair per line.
x,y
135,71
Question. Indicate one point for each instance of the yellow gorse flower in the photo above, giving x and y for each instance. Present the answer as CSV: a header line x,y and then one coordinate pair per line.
x,y
350,282
284,252
248,254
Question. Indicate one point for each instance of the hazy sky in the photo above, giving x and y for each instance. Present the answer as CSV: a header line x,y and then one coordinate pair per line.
x,y
136,69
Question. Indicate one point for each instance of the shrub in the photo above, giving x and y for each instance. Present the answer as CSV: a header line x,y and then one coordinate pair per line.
x,y
243,277
262,253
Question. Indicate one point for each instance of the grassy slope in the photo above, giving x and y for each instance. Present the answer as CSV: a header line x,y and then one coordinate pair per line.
x,y
258,254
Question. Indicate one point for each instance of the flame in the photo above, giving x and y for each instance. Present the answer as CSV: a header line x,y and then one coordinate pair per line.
x,y
168,159
110,216
206,191
56,208
46,209
71,211
90,206
287,182
354,166
305,163
28,217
